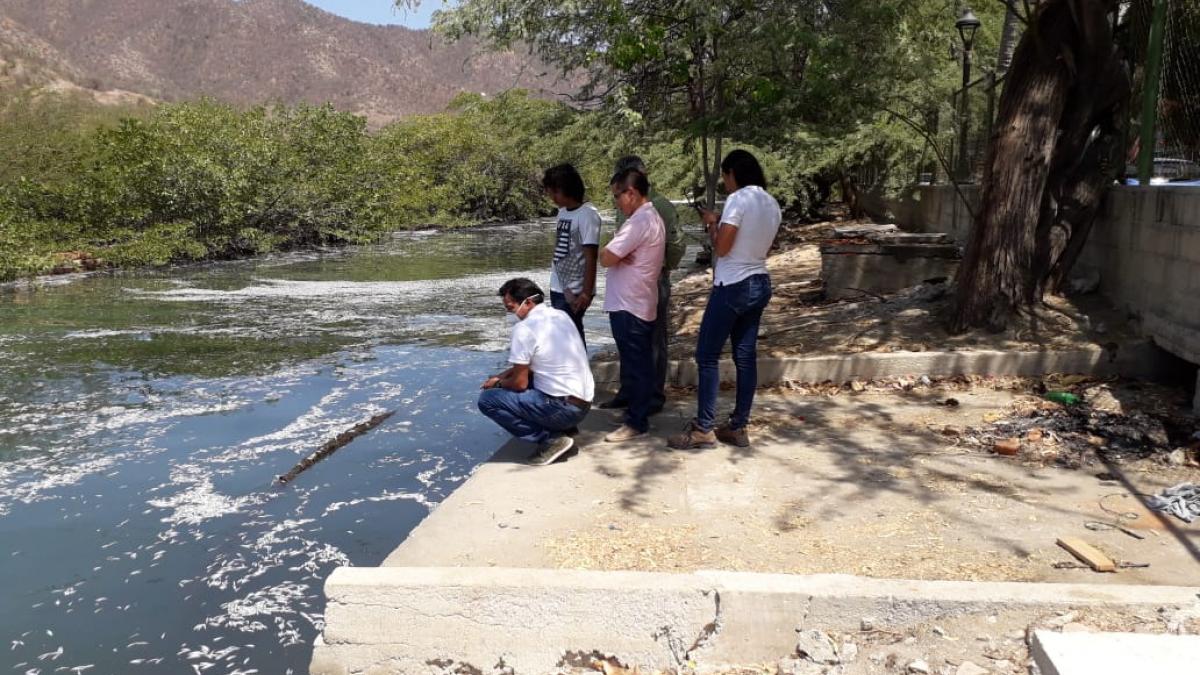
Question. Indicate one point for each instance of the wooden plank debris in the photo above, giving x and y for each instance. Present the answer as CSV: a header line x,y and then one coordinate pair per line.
x,y
1086,553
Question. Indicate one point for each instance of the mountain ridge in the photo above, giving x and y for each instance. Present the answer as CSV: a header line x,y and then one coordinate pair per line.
x,y
255,51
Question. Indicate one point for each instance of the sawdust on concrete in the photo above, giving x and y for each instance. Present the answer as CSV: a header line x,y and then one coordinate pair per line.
x,y
855,482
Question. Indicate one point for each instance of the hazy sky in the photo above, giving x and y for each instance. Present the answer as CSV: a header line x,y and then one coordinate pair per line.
x,y
380,11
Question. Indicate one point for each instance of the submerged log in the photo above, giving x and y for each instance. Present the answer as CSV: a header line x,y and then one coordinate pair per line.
x,y
334,445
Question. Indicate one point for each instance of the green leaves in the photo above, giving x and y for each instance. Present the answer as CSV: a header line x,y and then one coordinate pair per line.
x,y
192,181
206,180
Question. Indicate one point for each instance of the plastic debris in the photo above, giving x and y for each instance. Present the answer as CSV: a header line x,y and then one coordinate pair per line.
x,y
1063,397
1181,501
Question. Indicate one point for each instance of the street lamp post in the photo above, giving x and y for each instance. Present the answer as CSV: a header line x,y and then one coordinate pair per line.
x,y
967,24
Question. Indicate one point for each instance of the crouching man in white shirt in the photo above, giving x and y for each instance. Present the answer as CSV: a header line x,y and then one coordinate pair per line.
x,y
548,390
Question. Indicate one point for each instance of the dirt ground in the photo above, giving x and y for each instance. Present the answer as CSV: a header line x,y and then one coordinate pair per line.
x,y
799,322
869,485
998,643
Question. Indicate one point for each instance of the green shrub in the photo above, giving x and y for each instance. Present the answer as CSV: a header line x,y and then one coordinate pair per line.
x,y
207,180
160,244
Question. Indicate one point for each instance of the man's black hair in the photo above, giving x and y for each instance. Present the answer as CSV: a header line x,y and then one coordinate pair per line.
x,y
632,178
520,290
745,168
629,162
566,180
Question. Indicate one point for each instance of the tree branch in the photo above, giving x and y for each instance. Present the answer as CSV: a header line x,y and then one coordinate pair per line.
x,y
937,151
1012,7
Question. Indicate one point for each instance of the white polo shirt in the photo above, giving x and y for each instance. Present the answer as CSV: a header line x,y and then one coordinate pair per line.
x,y
756,215
548,342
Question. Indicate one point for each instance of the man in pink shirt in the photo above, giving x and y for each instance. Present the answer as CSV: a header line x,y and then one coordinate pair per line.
x,y
633,260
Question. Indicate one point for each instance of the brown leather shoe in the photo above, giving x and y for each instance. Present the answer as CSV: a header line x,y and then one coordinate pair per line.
x,y
729,435
692,437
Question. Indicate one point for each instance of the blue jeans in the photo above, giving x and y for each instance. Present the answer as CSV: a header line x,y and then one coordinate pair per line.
x,y
733,312
530,415
633,337
658,349
559,301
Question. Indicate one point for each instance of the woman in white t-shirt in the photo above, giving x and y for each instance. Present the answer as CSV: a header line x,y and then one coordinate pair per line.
x,y
741,238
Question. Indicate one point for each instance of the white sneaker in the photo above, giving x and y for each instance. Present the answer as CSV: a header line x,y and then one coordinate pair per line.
x,y
625,433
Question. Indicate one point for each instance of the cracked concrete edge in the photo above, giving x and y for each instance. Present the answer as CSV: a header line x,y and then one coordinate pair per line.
x,y
530,619
398,619
1140,359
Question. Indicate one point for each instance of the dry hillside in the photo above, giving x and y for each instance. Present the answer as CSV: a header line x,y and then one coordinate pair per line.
x,y
28,63
249,51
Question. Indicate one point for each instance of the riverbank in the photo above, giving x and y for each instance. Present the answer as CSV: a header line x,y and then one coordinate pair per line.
x,y
205,180
46,261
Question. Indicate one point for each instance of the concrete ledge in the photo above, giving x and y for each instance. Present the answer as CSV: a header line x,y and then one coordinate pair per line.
x,y
1116,653
435,620
1140,359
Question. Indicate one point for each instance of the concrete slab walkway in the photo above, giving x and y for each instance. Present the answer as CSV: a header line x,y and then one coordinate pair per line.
x,y
852,484
1115,653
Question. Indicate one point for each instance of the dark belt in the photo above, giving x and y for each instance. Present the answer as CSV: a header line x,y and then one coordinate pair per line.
x,y
578,403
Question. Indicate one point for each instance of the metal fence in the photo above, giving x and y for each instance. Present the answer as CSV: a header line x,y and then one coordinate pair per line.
x,y
1160,40
1166,35
969,126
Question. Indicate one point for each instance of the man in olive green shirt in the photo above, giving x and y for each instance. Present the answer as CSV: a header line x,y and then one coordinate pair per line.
x,y
676,245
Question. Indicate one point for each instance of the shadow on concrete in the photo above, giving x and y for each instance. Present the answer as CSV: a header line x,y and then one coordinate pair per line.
x,y
895,453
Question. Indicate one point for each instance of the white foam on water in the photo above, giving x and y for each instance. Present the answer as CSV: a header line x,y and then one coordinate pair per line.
x,y
36,478
341,291
119,417
149,333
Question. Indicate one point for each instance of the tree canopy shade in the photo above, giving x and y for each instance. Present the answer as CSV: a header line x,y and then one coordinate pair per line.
x,y
816,80
709,69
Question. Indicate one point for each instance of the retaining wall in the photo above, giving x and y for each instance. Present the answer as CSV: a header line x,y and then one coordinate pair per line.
x,y
1136,360
488,620
1145,245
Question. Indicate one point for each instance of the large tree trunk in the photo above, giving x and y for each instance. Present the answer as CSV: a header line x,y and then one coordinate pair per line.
x,y
1087,160
992,280
1041,186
